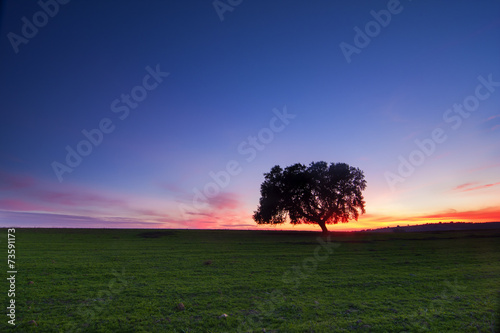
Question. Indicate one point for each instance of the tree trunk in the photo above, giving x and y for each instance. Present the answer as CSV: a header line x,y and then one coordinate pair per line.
x,y
323,227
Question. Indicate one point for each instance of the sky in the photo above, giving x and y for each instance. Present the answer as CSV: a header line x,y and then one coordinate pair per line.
x,y
166,114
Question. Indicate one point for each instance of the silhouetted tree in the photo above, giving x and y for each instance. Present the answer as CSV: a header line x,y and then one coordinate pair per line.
x,y
321,193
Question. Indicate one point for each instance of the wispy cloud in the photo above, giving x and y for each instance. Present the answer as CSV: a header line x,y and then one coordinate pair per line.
x,y
30,219
78,198
465,185
170,187
441,156
20,205
497,165
224,201
471,186
30,195
224,209
489,214
492,123
484,214
493,117
10,181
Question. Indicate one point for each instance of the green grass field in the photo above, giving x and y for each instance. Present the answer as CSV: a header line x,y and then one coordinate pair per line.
x,y
73,280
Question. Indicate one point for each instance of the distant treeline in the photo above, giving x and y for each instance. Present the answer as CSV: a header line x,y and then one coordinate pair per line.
x,y
447,226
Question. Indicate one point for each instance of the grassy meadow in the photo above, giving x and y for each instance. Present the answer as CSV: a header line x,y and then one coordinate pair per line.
x,y
88,280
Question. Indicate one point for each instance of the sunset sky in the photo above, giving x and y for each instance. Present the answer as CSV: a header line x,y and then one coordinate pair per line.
x,y
166,114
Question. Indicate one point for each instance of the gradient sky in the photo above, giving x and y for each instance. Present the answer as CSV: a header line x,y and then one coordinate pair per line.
x,y
249,86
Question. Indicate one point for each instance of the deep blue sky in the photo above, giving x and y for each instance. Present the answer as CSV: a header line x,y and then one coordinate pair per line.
x,y
225,78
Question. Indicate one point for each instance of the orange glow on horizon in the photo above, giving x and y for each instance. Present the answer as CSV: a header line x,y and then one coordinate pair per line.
x,y
365,222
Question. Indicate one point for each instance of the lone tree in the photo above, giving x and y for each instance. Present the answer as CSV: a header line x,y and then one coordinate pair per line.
x,y
321,193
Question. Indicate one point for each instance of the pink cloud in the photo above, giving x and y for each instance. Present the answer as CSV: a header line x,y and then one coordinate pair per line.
x,y
79,203
224,201
148,212
170,187
496,126
9,181
469,187
192,221
493,117
441,156
484,214
484,168
463,186
25,193
78,198
33,219
224,210
20,205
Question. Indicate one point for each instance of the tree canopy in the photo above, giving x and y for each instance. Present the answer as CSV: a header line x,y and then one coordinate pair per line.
x,y
319,194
